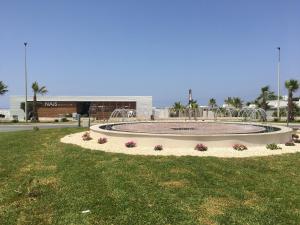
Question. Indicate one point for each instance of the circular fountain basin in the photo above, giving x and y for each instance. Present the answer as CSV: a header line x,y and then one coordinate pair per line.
x,y
188,134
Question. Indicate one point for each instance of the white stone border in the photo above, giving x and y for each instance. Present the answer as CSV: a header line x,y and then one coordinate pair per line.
x,y
223,152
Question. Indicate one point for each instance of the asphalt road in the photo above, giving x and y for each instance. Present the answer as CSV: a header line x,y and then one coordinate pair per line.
x,y
20,127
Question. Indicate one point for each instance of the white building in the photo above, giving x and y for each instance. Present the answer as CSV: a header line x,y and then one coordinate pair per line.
x,y
56,106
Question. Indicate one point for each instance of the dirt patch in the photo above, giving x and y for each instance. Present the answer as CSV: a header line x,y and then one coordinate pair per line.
x,y
51,182
252,200
174,184
214,206
37,166
180,171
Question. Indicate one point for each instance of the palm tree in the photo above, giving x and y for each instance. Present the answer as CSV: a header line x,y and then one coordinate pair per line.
x,y
291,86
235,102
228,101
212,103
3,88
178,107
265,95
194,104
37,90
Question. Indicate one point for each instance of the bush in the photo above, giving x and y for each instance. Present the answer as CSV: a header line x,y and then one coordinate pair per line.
x,y
273,146
56,121
130,144
15,121
64,119
158,147
239,147
102,140
36,128
68,115
295,136
289,143
297,140
86,136
200,147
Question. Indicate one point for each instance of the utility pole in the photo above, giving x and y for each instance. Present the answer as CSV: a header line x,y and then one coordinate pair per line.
x,y
278,83
26,109
190,103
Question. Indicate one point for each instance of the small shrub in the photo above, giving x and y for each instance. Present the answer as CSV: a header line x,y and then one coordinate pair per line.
x,y
289,143
200,147
158,147
295,136
64,119
86,136
56,121
68,115
130,144
15,121
296,140
36,128
239,147
102,140
273,146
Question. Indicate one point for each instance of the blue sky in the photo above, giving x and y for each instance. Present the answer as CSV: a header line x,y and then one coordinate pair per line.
x,y
156,47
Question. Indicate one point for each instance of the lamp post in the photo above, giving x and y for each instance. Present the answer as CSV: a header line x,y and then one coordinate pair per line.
x,y
26,110
190,102
278,83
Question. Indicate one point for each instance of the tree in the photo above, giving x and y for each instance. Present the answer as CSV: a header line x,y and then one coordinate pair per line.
x,y
265,95
3,88
178,107
194,104
235,102
212,103
37,90
292,86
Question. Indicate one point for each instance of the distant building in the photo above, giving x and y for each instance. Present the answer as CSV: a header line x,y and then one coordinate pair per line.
x,y
103,106
282,103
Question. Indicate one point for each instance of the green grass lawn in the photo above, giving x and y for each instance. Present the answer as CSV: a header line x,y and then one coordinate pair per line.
x,y
43,181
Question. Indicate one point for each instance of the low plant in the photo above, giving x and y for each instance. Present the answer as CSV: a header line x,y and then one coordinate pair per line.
x,y
86,136
273,146
200,147
296,140
158,147
295,136
130,144
289,143
64,119
239,147
102,140
35,128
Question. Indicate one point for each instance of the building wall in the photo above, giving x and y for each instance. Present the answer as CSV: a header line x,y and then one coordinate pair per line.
x,y
143,104
46,109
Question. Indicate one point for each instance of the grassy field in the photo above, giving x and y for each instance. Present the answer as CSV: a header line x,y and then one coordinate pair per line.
x,y
43,181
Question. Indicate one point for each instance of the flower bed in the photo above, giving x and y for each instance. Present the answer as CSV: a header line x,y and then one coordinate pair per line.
x,y
239,147
130,144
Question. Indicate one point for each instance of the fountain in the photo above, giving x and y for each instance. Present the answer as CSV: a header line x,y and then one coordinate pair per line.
x,y
122,115
183,133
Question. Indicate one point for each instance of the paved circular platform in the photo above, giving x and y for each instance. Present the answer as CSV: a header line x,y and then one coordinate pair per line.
x,y
188,128
188,134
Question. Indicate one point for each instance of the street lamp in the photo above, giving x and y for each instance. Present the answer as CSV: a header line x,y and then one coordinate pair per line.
x,y
26,110
278,83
